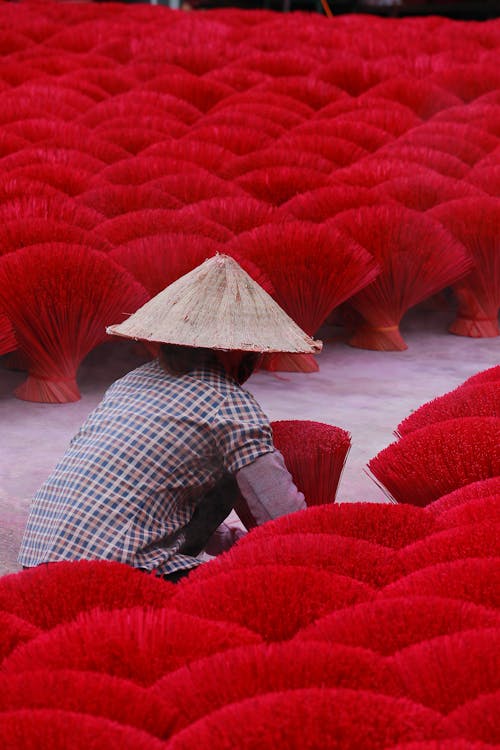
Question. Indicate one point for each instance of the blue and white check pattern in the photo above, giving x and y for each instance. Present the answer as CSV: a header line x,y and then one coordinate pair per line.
x,y
140,464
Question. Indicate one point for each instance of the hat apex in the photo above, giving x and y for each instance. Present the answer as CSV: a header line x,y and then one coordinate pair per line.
x,y
217,305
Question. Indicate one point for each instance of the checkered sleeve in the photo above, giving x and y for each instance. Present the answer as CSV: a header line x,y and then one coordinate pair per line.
x,y
242,431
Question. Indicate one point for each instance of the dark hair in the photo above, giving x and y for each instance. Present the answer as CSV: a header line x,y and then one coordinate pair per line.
x,y
179,360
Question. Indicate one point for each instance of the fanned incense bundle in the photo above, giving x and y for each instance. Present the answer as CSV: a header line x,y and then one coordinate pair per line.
x,y
136,644
389,525
59,299
238,140
315,454
140,102
473,540
463,666
363,134
388,115
386,626
210,156
32,231
312,268
469,580
477,720
474,222
359,718
491,375
134,225
236,213
138,170
434,460
87,693
276,156
115,200
191,188
355,558
14,631
423,96
485,488
245,672
48,595
241,118
62,729
324,203
417,259
159,259
424,191
66,178
299,595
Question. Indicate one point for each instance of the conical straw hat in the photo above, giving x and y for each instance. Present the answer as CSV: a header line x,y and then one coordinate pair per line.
x,y
218,306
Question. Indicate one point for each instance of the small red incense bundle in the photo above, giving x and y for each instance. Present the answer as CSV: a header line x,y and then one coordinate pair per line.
x,y
59,299
417,257
315,455
276,185
485,488
434,460
474,222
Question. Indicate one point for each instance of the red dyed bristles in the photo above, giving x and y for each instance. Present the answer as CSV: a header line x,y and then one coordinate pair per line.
x,y
115,200
468,81
340,152
8,341
470,580
190,188
462,149
491,375
474,222
472,540
391,116
310,90
273,600
133,140
417,259
481,400
326,202
137,644
238,140
211,683
364,561
67,178
313,268
87,693
377,168
48,595
276,185
147,222
389,625
380,523
59,299
58,208
59,730
425,190
315,454
475,490
210,156
439,458
433,158
350,73
292,110
237,118
159,259
197,91
140,102
237,213
486,177
477,720
337,718
365,135
14,631
422,96
138,170
276,156
447,671
53,155
31,231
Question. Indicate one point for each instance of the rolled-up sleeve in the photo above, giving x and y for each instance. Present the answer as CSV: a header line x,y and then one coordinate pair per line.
x,y
268,488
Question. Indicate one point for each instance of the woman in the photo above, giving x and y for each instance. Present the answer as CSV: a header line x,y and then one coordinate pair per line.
x,y
177,443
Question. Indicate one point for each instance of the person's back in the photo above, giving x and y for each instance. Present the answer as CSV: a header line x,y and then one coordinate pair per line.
x,y
134,473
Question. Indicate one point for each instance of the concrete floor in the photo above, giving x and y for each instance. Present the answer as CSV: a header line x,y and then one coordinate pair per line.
x,y
364,392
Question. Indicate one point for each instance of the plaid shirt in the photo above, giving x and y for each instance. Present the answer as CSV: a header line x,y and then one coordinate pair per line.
x,y
136,470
